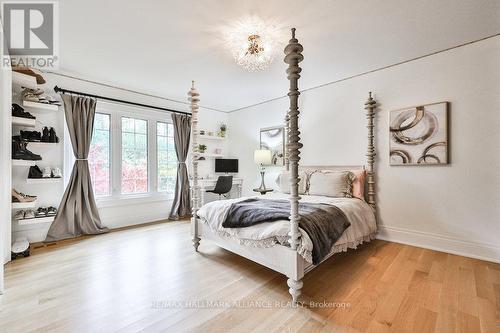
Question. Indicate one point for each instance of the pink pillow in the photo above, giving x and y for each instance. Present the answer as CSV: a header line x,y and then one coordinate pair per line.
x,y
358,185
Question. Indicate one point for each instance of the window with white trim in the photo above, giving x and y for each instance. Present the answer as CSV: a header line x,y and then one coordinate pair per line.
x,y
99,155
166,157
132,154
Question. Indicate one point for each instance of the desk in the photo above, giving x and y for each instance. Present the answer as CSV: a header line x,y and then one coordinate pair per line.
x,y
208,184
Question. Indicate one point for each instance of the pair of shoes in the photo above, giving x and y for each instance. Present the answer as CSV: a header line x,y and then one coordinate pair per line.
x,y
18,111
46,211
24,214
37,95
20,152
21,197
36,173
28,71
51,173
31,136
49,135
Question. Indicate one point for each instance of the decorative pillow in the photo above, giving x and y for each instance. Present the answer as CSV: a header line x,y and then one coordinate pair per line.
x,y
283,181
331,183
358,185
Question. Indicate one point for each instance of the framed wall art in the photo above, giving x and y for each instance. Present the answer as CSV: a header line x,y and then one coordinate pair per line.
x,y
273,138
419,135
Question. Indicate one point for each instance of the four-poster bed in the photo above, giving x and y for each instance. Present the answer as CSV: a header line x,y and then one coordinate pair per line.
x,y
284,246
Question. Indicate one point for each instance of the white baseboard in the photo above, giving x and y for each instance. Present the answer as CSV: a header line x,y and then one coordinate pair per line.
x,y
441,243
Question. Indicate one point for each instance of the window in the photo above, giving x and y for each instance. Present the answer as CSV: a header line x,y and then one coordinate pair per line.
x,y
167,158
99,155
134,156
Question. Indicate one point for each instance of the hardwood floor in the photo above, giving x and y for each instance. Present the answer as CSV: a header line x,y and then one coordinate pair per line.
x,y
129,281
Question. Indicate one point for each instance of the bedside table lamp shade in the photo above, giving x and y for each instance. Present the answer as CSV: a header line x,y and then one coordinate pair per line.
x,y
262,157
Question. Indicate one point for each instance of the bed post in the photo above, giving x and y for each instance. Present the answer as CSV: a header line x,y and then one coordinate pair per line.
x,y
293,55
287,133
370,107
194,99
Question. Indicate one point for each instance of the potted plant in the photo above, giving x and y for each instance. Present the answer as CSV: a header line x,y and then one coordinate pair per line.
x,y
223,129
202,148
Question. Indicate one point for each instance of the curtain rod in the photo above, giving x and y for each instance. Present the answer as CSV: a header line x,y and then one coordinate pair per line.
x,y
66,91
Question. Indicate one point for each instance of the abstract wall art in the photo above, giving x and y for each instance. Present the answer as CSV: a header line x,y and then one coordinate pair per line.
x,y
273,138
419,135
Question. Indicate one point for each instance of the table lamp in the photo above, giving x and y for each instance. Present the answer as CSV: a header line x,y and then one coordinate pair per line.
x,y
262,157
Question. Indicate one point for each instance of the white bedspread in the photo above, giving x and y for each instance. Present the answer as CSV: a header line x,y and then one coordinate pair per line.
x,y
360,215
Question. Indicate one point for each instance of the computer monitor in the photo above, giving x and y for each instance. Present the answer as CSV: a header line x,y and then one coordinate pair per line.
x,y
227,165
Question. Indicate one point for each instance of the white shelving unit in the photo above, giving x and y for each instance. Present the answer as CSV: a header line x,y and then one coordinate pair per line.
x,y
43,180
25,122
24,205
23,163
36,220
34,229
41,106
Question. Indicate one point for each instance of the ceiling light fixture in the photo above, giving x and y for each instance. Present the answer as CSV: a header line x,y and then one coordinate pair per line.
x,y
252,43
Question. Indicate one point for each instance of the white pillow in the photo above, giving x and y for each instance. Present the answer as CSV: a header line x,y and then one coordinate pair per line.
x,y
283,181
331,183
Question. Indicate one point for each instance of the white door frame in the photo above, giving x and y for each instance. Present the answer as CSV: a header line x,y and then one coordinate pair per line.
x,y
5,165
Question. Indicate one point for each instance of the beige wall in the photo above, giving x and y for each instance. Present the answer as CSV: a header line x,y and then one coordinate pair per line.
x,y
455,208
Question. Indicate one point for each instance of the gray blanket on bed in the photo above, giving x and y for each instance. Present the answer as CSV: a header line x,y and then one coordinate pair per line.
x,y
322,222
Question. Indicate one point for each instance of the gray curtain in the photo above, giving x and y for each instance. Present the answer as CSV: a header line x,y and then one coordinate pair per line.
x,y
181,207
78,214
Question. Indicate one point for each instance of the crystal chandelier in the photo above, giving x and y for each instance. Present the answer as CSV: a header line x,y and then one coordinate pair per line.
x,y
252,43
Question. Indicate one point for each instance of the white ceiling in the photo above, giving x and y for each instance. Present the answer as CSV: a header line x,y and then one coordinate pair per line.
x,y
160,46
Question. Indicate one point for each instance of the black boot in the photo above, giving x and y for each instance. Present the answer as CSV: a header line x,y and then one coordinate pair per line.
x,y
16,150
35,172
45,136
28,155
52,136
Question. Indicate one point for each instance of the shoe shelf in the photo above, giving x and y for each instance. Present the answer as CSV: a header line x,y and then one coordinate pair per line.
x,y
24,80
25,122
23,163
43,180
23,205
41,106
41,144
36,220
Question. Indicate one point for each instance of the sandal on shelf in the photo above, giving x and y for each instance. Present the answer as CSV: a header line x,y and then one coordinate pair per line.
x,y
29,214
51,211
19,215
41,212
21,197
